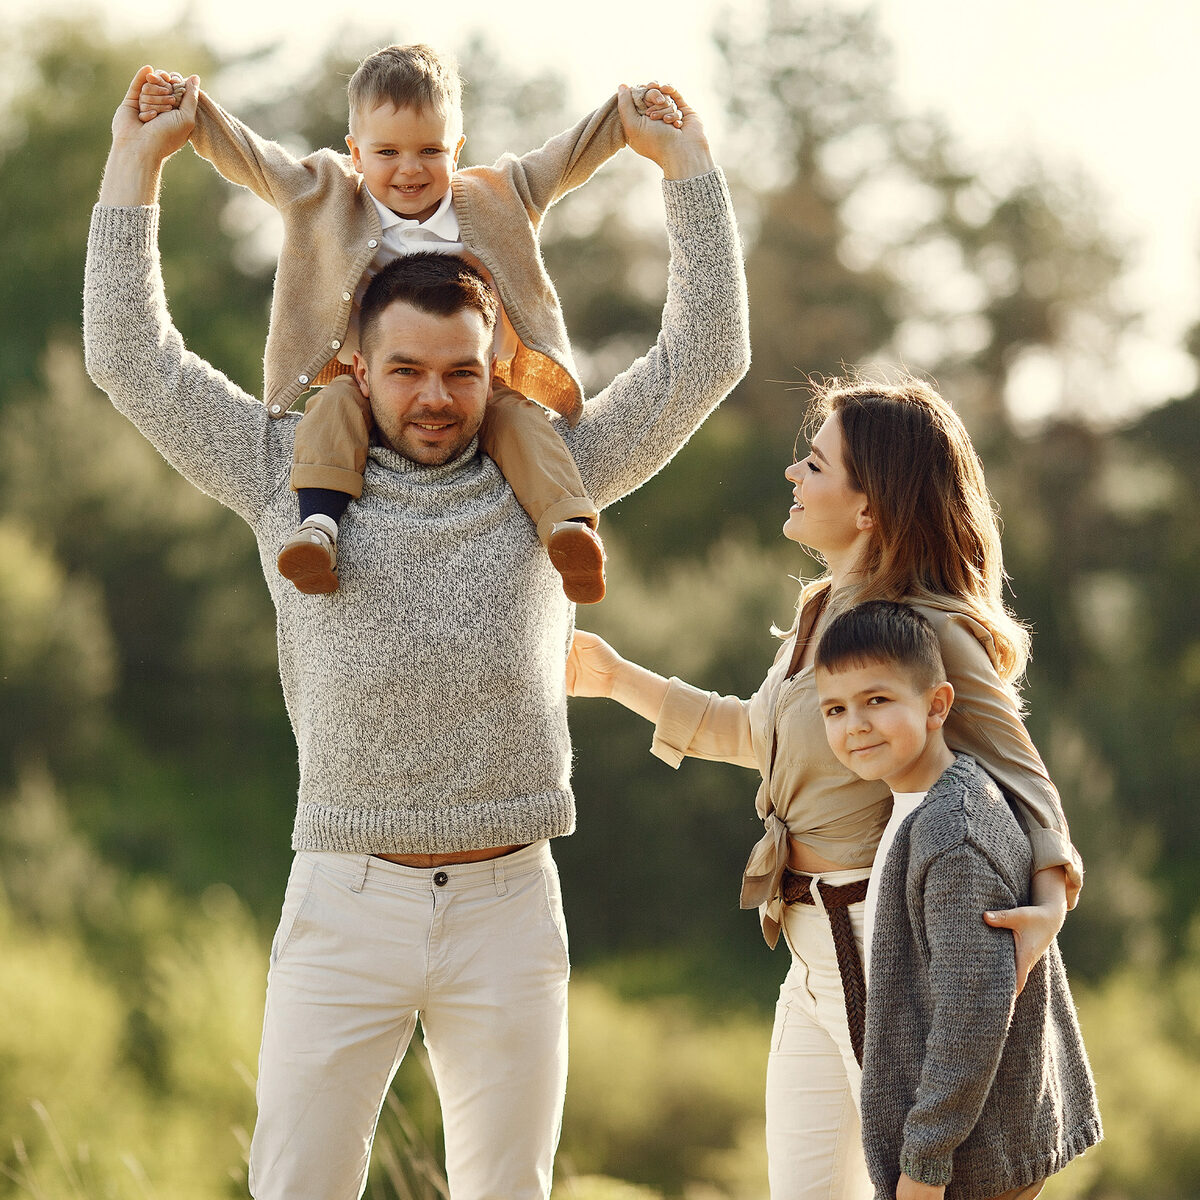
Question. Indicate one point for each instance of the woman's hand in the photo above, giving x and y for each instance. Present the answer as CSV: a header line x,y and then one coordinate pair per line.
x,y
1035,926
591,666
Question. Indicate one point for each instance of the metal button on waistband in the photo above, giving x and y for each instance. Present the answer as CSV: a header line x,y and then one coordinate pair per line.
x,y
441,879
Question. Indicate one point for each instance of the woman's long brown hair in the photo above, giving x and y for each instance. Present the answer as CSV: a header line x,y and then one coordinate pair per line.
x,y
935,531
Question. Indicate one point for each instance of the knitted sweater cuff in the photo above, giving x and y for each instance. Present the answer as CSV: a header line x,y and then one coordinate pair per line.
x,y
933,1170
688,200
133,229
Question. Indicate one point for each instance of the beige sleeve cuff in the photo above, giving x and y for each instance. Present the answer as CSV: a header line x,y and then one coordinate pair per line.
x,y
1052,849
678,719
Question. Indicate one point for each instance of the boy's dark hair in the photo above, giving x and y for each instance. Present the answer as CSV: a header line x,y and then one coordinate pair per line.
x,y
438,284
409,77
882,631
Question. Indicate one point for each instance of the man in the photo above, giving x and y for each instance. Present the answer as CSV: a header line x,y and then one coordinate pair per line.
x,y
427,694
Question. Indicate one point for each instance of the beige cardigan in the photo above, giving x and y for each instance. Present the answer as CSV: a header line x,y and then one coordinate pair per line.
x,y
331,232
807,795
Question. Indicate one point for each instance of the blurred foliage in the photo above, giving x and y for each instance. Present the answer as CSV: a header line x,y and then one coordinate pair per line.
x,y
147,771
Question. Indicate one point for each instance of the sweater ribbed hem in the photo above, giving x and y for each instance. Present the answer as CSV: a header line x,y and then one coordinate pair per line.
x,y
445,830
937,1172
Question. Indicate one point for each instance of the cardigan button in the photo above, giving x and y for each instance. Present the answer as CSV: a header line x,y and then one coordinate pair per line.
x,y
345,295
302,379
372,243
275,408
336,344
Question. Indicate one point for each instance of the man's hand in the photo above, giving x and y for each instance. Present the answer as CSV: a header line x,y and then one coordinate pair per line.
x,y
139,148
681,151
591,665
910,1189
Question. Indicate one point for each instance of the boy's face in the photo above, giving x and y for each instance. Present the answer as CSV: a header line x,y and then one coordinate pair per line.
x,y
405,156
882,725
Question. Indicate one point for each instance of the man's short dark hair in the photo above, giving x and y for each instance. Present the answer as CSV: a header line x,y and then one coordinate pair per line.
x,y
882,631
437,284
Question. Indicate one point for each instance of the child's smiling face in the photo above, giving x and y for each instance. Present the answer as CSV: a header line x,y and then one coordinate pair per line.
x,y
882,725
406,156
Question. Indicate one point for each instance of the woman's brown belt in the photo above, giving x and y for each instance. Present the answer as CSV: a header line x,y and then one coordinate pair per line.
x,y
797,889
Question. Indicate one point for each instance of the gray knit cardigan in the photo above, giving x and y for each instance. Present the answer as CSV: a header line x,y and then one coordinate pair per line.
x,y
961,1087
427,695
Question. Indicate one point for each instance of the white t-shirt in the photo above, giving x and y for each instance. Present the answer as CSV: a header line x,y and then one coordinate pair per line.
x,y
903,803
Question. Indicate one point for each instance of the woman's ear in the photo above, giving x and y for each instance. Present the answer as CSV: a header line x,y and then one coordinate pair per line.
x,y
864,522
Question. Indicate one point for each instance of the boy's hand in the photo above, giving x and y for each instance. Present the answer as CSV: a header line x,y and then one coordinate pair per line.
x,y
910,1189
161,92
651,101
591,665
681,151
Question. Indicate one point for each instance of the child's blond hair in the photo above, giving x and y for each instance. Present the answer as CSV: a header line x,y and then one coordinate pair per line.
x,y
408,77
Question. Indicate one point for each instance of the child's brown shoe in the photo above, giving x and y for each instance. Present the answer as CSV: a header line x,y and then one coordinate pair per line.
x,y
577,553
309,560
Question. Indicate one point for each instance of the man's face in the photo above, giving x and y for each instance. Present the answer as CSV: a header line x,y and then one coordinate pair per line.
x,y
428,379
406,156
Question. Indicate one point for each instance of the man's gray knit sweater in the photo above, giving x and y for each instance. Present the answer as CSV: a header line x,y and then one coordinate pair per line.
x,y
961,1086
427,695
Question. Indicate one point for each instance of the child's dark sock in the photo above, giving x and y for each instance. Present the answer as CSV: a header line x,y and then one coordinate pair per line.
x,y
323,501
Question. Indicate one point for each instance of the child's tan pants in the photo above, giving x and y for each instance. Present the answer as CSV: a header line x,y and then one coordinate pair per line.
x,y
332,440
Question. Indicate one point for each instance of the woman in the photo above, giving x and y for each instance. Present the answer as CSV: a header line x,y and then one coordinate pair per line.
x,y
891,497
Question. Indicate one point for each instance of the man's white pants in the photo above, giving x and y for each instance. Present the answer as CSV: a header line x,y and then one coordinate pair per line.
x,y
814,1137
365,946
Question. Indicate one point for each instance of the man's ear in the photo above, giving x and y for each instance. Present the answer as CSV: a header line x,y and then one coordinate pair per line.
x,y
940,701
360,374
491,376
355,156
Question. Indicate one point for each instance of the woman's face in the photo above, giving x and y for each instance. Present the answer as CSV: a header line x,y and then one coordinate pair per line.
x,y
830,514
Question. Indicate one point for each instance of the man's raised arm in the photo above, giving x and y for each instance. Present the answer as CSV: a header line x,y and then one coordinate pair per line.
x,y
211,431
636,425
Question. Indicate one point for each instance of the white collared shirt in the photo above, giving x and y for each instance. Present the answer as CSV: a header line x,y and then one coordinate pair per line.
x,y
903,803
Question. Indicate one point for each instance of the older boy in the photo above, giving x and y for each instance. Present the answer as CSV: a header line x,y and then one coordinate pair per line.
x,y
968,1089
399,191
427,698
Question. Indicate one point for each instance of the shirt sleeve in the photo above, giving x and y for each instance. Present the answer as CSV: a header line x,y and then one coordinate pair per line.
x,y
635,426
696,724
217,436
985,723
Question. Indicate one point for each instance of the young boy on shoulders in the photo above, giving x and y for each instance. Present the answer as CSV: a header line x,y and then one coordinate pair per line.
x,y
969,1090
397,192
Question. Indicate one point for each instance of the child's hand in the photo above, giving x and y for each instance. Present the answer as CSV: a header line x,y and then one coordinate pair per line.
x,y
161,92
591,666
910,1189
656,102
